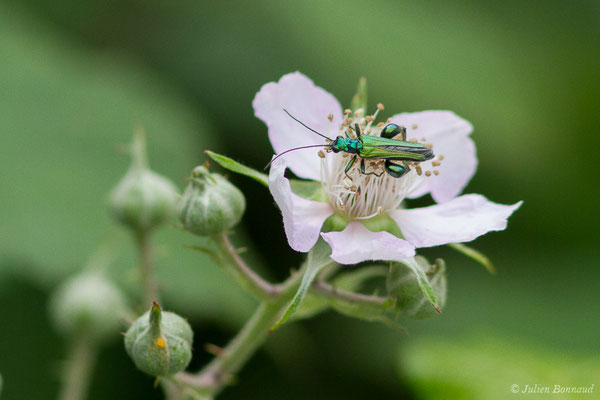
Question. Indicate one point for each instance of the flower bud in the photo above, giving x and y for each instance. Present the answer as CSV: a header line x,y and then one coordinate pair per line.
x,y
210,204
88,305
159,343
143,199
403,287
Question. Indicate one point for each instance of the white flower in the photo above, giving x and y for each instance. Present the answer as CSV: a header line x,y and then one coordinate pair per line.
x,y
361,197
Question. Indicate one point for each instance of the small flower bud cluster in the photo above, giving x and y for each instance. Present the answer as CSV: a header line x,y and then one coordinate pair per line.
x,y
160,343
143,199
88,305
210,204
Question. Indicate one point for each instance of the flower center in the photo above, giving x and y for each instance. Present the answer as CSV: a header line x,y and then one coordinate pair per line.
x,y
364,195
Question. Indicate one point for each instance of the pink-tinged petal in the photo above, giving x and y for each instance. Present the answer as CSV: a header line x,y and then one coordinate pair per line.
x,y
357,244
309,104
449,135
459,220
302,219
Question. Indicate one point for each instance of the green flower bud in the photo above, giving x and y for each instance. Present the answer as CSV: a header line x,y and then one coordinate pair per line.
x,y
88,305
403,287
159,343
210,204
143,199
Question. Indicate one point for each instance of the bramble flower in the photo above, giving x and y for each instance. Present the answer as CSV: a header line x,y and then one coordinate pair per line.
x,y
375,226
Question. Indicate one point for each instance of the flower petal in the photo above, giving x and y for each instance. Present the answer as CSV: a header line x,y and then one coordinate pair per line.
x,y
459,220
302,219
309,104
449,135
357,244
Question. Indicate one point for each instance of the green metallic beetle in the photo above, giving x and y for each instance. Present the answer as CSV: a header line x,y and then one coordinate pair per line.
x,y
366,147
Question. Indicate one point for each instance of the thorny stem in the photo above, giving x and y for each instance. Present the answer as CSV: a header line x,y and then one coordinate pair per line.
x,y
78,370
218,373
146,268
275,299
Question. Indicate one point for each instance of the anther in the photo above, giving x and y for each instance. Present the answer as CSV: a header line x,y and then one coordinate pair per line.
x,y
330,117
347,111
423,139
429,145
435,163
358,113
419,170
413,140
381,124
427,173
380,106
415,126
436,172
441,157
321,154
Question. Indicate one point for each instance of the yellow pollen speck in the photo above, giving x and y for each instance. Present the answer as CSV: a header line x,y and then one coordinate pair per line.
x,y
347,111
427,173
435,163
436,172
441,157
380,107
160,342
353,188
330,117
415,126
321,154
381,124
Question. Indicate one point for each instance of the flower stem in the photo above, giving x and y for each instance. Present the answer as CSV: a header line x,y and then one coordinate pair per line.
x,y
218,373
146,268
77,372
233,264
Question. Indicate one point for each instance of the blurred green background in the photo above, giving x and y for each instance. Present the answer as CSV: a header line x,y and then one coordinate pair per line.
x,y
76,77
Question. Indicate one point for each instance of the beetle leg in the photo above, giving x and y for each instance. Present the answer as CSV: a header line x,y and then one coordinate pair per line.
x,y
364,172
349,165
395,170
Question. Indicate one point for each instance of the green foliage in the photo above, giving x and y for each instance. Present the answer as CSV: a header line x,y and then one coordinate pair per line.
x,y
486,366
64,113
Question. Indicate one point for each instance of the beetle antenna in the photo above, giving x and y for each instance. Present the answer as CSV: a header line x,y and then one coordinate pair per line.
x,y
304,125
295,148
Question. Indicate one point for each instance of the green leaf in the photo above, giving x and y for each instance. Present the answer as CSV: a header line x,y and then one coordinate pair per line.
x,y
238,168
359,100
417,266
475,255
318,258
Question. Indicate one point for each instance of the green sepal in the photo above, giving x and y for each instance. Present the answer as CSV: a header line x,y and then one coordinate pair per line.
x,y
381,223
475,255
359,100
401,285
318,259
238,168
155,318
368,313
335,223
309,190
